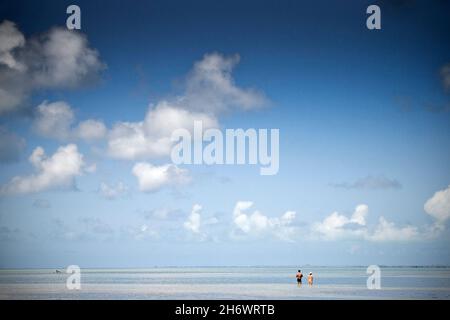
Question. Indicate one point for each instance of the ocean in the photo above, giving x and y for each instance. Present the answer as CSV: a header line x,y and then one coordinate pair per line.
x,y
227,283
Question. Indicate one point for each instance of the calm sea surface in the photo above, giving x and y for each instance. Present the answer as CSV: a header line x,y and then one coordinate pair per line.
x,y
227,283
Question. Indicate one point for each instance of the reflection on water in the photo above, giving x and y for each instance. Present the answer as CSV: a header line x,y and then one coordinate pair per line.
x,y
228,283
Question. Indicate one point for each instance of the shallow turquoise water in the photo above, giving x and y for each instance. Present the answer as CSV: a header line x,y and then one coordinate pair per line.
x,y
227,283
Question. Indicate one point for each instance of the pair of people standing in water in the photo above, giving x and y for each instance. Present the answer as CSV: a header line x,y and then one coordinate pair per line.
x,y
299,277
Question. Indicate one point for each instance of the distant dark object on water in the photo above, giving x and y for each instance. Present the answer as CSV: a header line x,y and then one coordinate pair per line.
x,y
57,271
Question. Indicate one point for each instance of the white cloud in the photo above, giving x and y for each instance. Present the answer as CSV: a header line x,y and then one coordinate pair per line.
x,y
249,222
387,231
112,192
200,227
56,171
152,137
90,130
10,39
210,87
11,146
127,140
59,58
360,214
194,220
257,223
9,97
282,227
438,206
152,178
67,59
338,226
55,120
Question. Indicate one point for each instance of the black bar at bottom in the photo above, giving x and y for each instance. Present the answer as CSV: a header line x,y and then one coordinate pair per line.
x,y
222,309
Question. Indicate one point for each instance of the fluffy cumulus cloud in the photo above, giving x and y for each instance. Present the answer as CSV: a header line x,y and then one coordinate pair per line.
x,y
10,39
337,227
387,231
58,58
151,138
202,227
11,146
211,88
255,223
90,130
67,57
112,192
53,120
56,120
438,206
194,220
152,178
56,171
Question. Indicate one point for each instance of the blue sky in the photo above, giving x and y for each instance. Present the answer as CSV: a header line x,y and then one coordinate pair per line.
x,y
363,118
